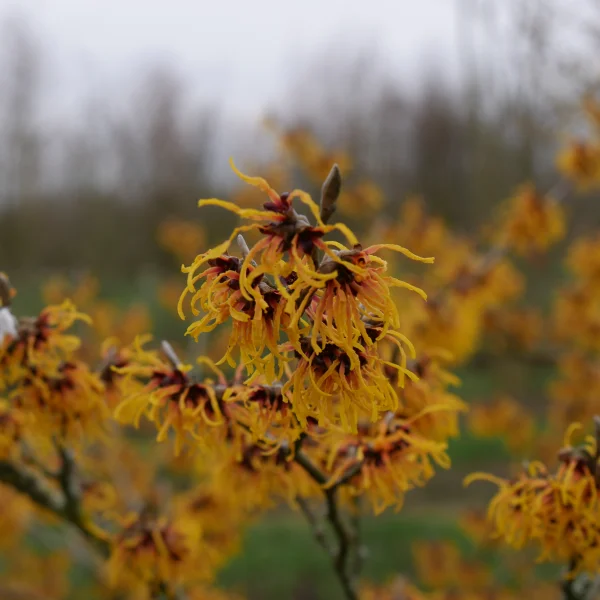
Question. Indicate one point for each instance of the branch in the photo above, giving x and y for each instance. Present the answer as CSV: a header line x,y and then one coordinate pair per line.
x,y
27,482
360,551
568,583
316,527
67,506
73,509
163,592
344,535
310,467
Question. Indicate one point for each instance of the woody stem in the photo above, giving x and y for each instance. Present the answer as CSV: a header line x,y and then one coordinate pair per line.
x,y
345,537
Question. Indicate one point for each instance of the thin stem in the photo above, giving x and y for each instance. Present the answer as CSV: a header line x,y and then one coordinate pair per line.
x,y
316,527
359,549
29,483
568,581
344,534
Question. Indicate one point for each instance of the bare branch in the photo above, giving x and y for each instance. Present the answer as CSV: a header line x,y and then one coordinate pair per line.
x,y
29,483
344,535
316,527
37,489
310,467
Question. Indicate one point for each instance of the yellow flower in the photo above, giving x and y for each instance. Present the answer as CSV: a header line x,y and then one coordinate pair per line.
x,y
68,402
362,200
285,232
266,477
434,410
454,320
532,222
218,517
358,293
555,511
326,387
41,343
438,564
168,397
181,238
151,551
519,328
249,196
504,418
475,524
577,316
575,392
583,259
45,380
255,324
390,459
310,155
426,236
124,325
12,425
580,162
264,411
82,293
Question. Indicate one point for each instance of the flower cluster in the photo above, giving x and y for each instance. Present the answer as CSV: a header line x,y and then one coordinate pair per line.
x,y
555,510
532,222
334,309
42,376
384,461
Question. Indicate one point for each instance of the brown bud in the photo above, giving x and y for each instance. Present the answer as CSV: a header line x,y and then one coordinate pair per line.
x,y
330,193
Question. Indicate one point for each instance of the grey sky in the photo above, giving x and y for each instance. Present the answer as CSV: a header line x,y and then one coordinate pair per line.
x,y
240,50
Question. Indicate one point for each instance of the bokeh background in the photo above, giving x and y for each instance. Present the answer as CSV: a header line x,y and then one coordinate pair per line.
x,y
116,116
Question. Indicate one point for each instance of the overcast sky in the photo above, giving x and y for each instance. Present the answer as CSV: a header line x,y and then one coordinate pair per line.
x,y
240,50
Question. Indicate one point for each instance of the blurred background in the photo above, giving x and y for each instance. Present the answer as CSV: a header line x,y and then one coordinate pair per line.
x,y
115,117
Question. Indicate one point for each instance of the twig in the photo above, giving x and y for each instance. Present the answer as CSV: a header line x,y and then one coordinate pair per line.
x,y
310,467
29,483
345,537
316,527
71,488
568,582
163,592
32,460
360,551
